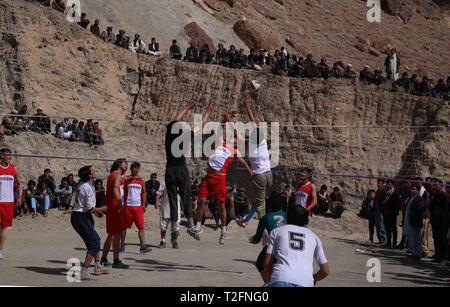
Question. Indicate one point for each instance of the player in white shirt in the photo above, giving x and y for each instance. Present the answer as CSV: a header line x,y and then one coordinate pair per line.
x,y
259,157
162,203
295,248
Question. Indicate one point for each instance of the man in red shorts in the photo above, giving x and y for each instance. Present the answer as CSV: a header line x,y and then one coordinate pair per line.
x,y
9,187
114,213
215,182
134,198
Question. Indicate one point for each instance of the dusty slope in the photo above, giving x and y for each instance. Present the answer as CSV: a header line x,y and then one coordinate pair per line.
x,y
322,27
71,73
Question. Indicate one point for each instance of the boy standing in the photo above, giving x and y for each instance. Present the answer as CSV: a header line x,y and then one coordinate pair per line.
x,y
135,196
162,203
83,223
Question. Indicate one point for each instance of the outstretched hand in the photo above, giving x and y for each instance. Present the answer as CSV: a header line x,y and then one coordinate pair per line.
x,y
191,104
247,101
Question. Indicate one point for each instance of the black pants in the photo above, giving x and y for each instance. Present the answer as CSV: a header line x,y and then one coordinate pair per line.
x,y
83,223
390,222
178,181
439,237
371,227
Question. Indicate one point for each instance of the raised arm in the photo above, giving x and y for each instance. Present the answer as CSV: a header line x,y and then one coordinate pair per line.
x,y
205,116
247,104
186,110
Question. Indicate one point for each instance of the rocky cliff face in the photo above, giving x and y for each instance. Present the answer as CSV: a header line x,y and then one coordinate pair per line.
x,y
334,126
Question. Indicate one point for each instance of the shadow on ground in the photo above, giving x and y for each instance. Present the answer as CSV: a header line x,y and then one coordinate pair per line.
x,y
425,272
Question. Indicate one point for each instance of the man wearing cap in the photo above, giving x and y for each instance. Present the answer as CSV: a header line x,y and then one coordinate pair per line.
x,y
366,76
349,73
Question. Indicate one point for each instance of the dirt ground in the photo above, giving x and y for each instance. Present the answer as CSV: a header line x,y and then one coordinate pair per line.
x,y
37,252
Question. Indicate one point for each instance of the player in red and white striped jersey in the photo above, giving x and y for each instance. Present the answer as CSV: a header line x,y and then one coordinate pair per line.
x,y
134,198
10,194
215,182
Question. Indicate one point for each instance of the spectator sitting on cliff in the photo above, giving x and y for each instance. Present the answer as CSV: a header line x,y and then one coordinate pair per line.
x,y
366,76
41,122
78,131
11,124
440,89
99,134
404,82
311,70
84,22
349,73
233,57
324,69
153,48
63,194
120,38
175,51
48,178
108,35
25,117
252,60
242,59
336,72
336,203
59,6
89,132
63,130
378,78
279,64
191,53
425,87
221,55
95,28
205,55
42,198
415,85
137,44
322,201
126,42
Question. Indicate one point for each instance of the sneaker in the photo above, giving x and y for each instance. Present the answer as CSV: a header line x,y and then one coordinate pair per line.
x,y
162,244
85,276
222,238
175,245
200,230
120,265
242,223
105,263
101,271
193,233
145,249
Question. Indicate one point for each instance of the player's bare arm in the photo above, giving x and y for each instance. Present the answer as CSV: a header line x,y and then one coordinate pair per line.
x,y
18,189
313,198
323,272
268,267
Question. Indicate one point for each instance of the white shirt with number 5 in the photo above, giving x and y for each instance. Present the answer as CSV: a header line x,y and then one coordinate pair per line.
x,y
295,249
